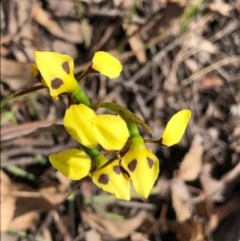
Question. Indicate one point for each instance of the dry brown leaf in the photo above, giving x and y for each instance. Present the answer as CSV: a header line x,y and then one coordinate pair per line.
x,y
191,165
43,18
59,45
92,235
210,82
18,74
207,46
136,42
221,212
30,202
138,236
65,8
115,229
56,194
221,7
24,221
8,202
219,190
235,136
186,231
192,65
232,176
181,199
212,187
196,43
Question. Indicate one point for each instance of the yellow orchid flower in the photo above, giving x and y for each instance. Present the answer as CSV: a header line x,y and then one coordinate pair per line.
x,y
89,129
57,71
111,131
142,166
106,64
111,179
72,163
176,127
78,123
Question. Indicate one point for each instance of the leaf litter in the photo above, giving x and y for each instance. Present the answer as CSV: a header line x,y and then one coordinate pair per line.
x,y
176,54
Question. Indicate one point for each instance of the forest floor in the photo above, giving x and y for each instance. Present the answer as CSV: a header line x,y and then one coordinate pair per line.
x,y
176,54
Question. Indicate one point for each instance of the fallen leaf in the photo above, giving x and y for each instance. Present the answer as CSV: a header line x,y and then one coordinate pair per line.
x,y
92,235
219,190
213,188
181,199
190,167
192,65
115,229
18,74
220,213
221,7
186,231
208,82
136,42
8,202
43,18
24,221
23,204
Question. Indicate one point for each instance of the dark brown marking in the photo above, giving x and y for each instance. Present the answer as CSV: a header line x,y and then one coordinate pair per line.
x,y
66,68
103,178
56,83
39,76
150,162
117,169
132,165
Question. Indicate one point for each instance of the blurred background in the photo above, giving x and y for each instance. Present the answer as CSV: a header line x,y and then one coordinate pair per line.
x,y
176,54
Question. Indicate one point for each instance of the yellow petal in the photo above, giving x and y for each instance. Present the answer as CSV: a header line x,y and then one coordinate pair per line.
x,y
176,127
72,163
78,123
110,131
57,71
142,166
112,180
106,64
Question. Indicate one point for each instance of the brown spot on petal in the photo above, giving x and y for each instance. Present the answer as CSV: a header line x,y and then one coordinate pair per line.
x,y
56,83
66,68
117,169
150,162
103,179
132,165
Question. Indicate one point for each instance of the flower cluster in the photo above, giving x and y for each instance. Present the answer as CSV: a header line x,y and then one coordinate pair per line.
x,y
131,163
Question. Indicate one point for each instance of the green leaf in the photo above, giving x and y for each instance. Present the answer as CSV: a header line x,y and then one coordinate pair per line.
x,y
18,171
126,114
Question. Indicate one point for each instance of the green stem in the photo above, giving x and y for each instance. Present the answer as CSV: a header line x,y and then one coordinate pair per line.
x,y
133,129
81,97
96,156
92,152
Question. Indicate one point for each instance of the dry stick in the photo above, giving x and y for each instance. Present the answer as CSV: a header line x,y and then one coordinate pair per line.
x,y
230,28
160,55
206,70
